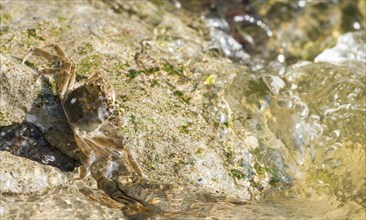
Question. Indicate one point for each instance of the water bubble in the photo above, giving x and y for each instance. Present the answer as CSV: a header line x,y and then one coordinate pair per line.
x,y
224,118
2,134
334,163
317,131
23,143
330,152
314,118
286,93
302,109
224,104
274,83
73,100
32,141
48,158
284,103
281,58
356,26
301,3
336,133
222,131
265,103
296,99
177,4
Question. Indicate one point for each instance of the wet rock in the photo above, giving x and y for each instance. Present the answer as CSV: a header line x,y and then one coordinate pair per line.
x,y
26,140
349,47
299,35
23,176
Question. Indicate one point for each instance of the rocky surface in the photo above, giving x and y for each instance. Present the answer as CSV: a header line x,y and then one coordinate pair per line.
x,y
18,90
164,76
192,117
26,140
23,176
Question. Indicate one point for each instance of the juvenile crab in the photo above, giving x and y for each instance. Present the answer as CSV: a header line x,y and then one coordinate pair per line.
x,y
89,109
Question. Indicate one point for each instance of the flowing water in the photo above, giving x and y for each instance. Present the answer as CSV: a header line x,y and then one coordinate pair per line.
x,y
310,124
308,120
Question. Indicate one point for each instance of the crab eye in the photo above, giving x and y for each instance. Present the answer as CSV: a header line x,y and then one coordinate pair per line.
x,y
73,100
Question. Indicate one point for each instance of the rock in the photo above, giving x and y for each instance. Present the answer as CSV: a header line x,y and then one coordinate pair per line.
x,y
18,89
26,176
159,72
349,47
209,127
26,140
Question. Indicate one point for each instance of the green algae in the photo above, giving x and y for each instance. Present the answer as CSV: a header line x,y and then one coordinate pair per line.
x,y
199,152
57,31
260,170
87,64
238,174
32,37
5,118
210,79
182,96
133,73
154,83
173,70
5,17
185,128
327,179
85,48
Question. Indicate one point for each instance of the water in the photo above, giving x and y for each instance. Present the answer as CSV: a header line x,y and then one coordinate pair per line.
x,y
310,125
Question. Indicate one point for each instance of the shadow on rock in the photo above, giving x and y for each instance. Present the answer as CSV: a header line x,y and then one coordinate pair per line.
x,y
26,140
44,136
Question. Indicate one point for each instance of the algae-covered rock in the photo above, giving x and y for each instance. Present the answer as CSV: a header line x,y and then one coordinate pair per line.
x,y
214,130
167,85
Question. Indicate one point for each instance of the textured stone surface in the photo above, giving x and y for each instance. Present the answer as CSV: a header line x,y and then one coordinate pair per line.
x,y
192,117
164,76
25,176
18,89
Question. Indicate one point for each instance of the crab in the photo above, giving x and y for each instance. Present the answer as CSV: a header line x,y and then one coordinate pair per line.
x,y
90,108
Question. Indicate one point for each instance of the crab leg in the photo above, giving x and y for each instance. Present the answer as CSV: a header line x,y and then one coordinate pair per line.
x,y
49,71
67,81
62,65
98,144
58,49
105,142
40,52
